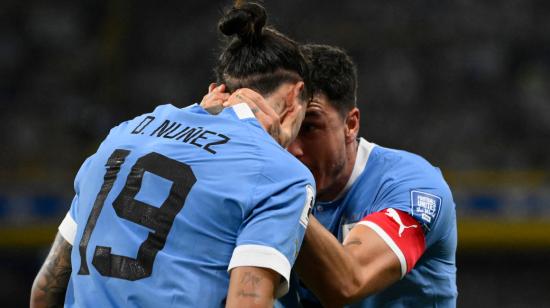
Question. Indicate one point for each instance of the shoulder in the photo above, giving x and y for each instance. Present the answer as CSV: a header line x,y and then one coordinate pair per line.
x,y
410,183
398,166
280,165
395,159
140,122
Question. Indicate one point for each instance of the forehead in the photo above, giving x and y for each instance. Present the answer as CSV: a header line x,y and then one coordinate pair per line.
x,y
320,106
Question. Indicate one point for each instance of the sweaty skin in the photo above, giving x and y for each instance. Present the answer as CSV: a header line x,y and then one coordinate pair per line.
x,y
366,264
251,287
327,145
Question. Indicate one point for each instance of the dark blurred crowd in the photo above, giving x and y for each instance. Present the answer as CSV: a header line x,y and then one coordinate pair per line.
x,y
464,83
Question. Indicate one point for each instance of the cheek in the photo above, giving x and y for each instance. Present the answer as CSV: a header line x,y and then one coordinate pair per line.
x,y
312,156
334,153
324,156
335,157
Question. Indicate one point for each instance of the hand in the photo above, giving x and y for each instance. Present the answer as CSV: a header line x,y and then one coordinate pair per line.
x,y
281,131
213,101
279,128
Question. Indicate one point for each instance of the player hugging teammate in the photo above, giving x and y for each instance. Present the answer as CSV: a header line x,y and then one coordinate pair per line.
x,y
207,205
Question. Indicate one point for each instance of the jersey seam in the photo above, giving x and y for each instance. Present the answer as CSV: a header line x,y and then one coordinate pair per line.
x,y
259,151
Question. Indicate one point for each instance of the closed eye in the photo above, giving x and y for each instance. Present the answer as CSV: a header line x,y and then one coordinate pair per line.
x,y
307,128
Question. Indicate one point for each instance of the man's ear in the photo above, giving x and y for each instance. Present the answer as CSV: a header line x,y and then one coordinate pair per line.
x,y
352,125
291,99
294,94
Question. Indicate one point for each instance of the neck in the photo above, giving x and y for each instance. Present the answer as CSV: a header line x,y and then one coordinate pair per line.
x,y
336,188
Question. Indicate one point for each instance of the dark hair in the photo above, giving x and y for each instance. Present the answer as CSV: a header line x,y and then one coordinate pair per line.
x,y
259,57
334,74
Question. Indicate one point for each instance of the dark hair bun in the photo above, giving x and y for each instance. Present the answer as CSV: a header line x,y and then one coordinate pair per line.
x,y
246,20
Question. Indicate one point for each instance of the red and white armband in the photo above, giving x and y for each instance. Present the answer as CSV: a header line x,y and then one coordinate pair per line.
x,y
402,233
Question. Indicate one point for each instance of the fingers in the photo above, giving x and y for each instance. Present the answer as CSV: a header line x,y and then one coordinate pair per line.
x,y
281,129
214,98
212,86
255,101
213,101
290,124
249,94
263,112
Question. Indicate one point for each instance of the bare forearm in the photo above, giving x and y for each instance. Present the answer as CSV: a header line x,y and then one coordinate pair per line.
x,y
341,274
50,285
251,287
326,268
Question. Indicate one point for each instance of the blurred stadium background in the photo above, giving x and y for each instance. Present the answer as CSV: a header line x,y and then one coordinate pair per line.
x,y
464,83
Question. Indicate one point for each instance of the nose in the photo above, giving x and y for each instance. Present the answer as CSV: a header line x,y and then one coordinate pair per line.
x,y
295,148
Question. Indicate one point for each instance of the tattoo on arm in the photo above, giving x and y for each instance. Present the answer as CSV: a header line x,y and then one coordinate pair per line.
x,y
50,285
250,282
353,242
242,293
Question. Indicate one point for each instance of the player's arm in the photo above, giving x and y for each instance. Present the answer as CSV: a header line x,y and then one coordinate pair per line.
x,y
252,287
364,264
50,285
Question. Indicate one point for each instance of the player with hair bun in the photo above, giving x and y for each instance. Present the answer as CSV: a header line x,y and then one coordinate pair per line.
x,y
181,208
383,231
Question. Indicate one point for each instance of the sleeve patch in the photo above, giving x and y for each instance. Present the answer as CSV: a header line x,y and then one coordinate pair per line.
x,y
308,205
425,208
401,232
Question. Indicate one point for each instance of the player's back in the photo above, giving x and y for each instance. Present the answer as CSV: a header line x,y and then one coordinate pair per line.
x,y
160,206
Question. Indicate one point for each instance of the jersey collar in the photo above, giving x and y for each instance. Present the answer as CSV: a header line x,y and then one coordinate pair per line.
x,y
243,111
363,152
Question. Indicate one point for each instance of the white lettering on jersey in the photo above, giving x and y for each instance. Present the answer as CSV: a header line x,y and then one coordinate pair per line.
x,y
310,199
395,216
425,207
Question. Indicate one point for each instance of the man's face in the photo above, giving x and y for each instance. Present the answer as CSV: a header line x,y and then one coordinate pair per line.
x,y
321,145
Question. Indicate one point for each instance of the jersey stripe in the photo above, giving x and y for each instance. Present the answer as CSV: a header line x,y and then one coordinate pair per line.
x,y
263,256
67,229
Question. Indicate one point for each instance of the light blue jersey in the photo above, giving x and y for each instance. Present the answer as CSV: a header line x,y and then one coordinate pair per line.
x,y
383,178
173,199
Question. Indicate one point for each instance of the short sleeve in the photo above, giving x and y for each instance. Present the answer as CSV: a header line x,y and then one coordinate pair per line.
x,y
68,226
424,197
272,231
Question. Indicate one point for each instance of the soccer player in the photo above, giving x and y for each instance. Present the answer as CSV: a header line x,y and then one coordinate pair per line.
x,y
384,232
179,208
384,226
